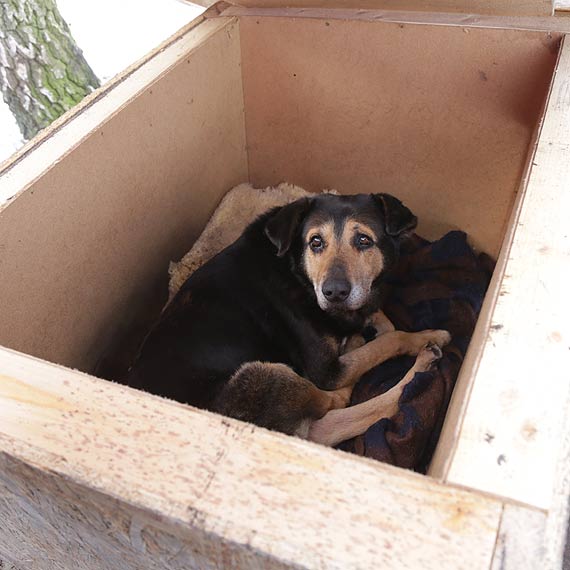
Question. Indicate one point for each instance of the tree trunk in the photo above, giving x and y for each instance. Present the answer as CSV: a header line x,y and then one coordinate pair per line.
x,y
42,71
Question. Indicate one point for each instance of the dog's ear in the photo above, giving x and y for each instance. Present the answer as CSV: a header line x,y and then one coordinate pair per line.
x,y
281,227
397,218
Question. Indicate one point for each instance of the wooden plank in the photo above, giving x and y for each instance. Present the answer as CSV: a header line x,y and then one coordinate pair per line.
x,y
512,427
84,241
530,23
520,543
505,7
97,473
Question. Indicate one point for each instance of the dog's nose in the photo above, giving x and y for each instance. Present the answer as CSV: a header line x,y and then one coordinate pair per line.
x,y
336,290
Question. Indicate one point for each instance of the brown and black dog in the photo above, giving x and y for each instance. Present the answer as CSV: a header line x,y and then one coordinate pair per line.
x,y
269,330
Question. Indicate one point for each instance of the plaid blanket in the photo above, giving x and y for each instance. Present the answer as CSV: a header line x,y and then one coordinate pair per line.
x,y
439,285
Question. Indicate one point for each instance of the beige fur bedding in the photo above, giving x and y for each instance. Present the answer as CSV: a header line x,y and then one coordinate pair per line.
x,y
240,206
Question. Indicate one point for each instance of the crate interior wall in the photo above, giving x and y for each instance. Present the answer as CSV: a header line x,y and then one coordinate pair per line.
x,y
465,122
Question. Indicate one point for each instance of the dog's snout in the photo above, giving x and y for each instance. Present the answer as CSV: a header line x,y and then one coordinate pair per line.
x,y
336,290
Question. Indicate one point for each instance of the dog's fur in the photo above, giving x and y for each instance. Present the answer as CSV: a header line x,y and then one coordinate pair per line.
x,y
268,331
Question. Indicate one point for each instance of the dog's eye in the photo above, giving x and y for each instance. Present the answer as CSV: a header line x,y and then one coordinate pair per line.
x,y
363,241
316,243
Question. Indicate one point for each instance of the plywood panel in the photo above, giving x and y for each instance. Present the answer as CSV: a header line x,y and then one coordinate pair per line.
x,y
514,429
512,7
86,242
440,116
110,477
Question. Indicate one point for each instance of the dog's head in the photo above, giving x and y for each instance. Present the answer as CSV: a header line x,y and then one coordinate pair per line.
x,y
342,243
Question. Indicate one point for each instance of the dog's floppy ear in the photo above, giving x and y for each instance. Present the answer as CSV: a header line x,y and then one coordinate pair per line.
x,y
397,218
281,227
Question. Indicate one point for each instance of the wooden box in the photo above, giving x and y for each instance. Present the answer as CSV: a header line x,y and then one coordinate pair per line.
x,y
466,117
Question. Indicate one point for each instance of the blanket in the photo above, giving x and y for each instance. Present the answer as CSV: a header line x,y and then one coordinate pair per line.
x,y
439,285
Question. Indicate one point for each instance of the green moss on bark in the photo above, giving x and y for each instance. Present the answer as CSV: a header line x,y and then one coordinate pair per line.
x,y
42,70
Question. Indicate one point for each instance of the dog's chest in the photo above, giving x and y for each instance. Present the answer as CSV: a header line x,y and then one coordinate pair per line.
x,y
315,350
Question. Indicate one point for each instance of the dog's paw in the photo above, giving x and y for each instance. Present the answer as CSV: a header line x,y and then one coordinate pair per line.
x,y
416,341
428,356
440,337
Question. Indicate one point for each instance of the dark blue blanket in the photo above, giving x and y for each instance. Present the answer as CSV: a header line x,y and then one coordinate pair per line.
x,y
439,285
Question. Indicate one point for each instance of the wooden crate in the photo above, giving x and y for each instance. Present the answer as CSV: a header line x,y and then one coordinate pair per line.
x,y
466,117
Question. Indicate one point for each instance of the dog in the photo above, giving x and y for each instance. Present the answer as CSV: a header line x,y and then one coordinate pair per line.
x,y
269,331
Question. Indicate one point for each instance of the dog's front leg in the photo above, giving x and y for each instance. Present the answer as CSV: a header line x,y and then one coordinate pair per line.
x,y
381,323
342,424
355,363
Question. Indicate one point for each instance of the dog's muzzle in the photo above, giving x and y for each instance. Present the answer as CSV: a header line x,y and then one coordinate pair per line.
x,y
341,297
336,290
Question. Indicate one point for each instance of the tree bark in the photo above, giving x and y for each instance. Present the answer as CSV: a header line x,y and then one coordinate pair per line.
x,y
42,71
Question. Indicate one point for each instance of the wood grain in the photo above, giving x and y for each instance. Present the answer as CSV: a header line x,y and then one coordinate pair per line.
x,y
96,473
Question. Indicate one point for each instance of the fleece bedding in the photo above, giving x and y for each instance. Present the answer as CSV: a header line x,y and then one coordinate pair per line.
x,y
435,285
